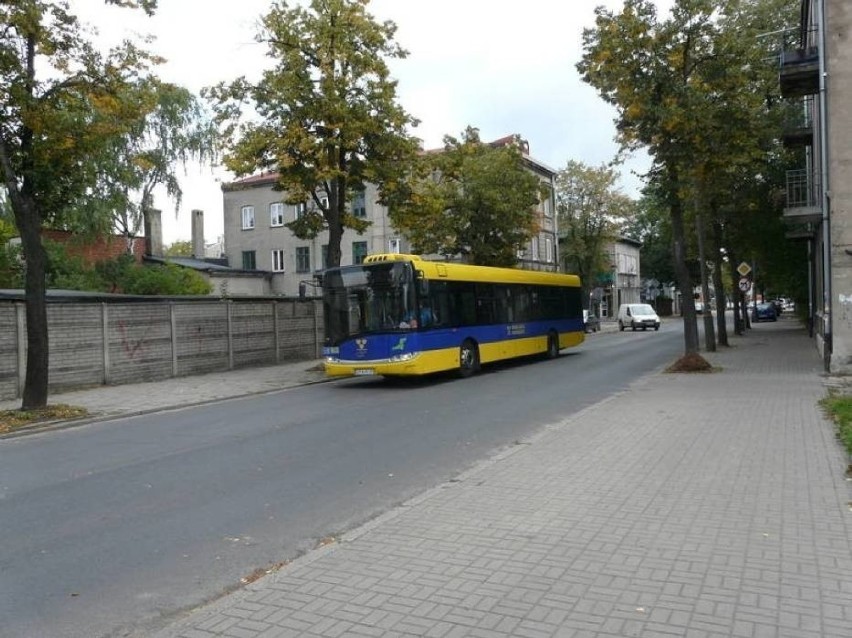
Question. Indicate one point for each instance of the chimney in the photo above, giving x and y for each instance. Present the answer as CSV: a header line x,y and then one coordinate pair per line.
x,y
153,232
198,234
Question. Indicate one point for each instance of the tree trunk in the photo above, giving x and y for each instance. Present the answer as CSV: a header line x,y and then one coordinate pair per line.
x,y
719,286
36,381
335,236
690,327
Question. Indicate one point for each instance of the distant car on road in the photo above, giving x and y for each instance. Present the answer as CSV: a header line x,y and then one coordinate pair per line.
x,y
764,312
637,315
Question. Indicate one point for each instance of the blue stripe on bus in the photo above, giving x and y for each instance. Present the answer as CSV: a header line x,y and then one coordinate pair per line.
x,y
383,346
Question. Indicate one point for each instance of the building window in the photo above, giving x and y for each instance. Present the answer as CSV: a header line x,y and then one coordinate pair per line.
x,y
394,245
276,214
278,261
299,210
303,259
535,248
359,252
324,256
546,207
248,217
548,250
359,205
249,260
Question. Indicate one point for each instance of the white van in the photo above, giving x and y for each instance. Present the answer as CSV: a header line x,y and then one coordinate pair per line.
x,y
637,315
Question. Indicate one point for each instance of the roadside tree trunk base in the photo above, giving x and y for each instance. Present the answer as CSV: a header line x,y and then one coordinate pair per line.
x,y
691,362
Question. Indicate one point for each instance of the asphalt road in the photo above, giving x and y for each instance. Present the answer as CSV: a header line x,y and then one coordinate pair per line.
x,y
113,528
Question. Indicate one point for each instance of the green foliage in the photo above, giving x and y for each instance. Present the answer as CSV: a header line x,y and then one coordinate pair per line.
x,y
652,226
68,272
471,199
839,408
120,275
11,271
326,116
590,215
167,279
179,249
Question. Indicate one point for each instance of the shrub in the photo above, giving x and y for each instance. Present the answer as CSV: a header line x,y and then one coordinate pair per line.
x,y
167,279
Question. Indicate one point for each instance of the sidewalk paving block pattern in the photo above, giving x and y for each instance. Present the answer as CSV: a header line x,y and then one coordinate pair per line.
x,y
695,506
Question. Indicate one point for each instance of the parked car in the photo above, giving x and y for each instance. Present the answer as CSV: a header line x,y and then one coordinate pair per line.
x,y
764,312
591,323
637,315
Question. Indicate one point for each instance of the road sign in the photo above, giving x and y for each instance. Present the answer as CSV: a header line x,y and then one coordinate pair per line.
x,y
745,284
744,269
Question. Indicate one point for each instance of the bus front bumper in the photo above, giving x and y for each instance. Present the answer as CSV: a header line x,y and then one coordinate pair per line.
x,y
371,368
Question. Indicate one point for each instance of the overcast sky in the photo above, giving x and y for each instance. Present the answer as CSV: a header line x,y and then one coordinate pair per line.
x,y
503,66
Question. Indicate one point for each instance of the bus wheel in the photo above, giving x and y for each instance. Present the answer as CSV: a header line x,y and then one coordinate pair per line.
x,y
468,358
552,345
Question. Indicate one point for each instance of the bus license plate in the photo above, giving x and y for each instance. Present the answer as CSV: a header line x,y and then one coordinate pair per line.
x,y
364,372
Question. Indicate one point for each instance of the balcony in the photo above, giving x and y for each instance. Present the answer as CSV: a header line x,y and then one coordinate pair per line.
x,y
804,198
799,124
803,232
799,64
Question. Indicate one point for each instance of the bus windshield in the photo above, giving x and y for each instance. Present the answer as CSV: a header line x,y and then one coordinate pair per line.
x,y
366,299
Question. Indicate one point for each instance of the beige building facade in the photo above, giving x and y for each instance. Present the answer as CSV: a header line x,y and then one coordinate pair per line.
x,y
256,237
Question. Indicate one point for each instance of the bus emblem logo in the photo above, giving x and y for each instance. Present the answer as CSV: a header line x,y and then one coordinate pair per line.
x,y
399,346
361,344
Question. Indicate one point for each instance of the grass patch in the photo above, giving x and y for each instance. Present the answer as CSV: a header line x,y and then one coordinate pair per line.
x,y
11,420
839,408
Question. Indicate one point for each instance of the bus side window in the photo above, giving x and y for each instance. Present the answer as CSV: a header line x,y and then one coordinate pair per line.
x,y
521,303
462,304
485,304
503,304
439,303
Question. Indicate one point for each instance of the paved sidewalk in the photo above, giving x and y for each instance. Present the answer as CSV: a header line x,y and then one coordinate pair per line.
x,y
124,400
688,506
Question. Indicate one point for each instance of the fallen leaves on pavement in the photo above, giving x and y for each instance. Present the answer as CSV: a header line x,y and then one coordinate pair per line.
x,y
11,420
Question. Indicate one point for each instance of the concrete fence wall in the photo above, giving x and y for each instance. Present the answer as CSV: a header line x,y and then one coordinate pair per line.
x,y
129,342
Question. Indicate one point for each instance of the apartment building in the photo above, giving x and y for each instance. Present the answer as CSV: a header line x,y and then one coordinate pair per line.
x,y
256,237
816,73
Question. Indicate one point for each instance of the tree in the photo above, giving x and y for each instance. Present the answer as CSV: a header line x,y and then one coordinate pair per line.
x,y
590,213
63,106
652,226
689,89
327,117
174,132
471,199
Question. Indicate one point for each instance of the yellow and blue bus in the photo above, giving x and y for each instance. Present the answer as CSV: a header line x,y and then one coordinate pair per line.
x,y
402,315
